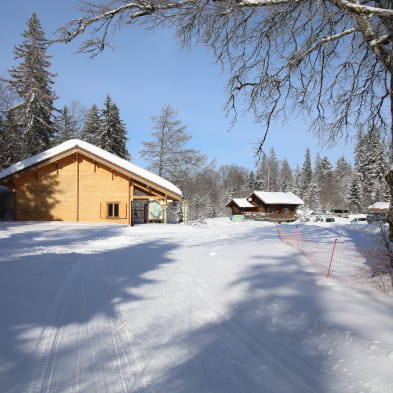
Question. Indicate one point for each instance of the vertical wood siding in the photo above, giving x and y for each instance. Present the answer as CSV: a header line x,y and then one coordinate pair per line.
x,y
73,188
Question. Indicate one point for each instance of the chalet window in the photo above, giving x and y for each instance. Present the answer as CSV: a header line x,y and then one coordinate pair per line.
x,y
113,210
285,210
270,209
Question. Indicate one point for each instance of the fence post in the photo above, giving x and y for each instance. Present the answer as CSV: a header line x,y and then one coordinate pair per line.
x,y
331,258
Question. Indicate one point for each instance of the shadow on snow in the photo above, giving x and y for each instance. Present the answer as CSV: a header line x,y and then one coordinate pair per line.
x,y
263,341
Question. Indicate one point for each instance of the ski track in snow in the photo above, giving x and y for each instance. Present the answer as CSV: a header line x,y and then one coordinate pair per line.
x,y
222,307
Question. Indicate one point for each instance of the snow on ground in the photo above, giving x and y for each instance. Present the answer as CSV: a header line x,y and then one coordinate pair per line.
x,y
222,307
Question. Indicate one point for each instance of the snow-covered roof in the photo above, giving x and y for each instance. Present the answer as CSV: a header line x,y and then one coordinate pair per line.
x,y
242,203
379,205
103,154
279,198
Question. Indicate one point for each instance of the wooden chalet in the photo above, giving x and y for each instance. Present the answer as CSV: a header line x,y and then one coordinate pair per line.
x,y
269,206
378,212
240,206
79,182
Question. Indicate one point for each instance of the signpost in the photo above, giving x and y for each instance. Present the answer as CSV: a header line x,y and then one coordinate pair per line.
x,y
185,210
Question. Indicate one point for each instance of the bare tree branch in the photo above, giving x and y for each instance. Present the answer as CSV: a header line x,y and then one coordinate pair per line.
x,y
299,57
329,59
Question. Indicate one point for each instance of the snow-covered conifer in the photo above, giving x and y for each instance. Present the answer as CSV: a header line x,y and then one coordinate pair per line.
x,y
354,196
66,126
343,175
10,138
31,81
297,181
274,171
306,174
10,141
91,131
370,164
286,177
251,182
312,196
263,173
113,132
329,192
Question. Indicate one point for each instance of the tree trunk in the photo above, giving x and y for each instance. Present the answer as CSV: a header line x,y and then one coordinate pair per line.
x,y
389,179
389,176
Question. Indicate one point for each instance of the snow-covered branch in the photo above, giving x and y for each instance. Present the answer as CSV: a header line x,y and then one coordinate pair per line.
x,y
360,9
136,9
300,56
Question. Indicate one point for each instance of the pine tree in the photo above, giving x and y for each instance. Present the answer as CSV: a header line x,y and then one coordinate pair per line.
x,y
274,172
317,168
263,173
306,175
251,182
10,133
370,164
167,152
286,177
355,193
312,196
5,146
343,175
326,168
297,185
10,141
91,131
113,132
66,126
329,193
31,81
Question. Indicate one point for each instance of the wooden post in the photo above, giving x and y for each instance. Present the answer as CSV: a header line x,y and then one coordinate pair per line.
x,y
165,209
331,258
130,200
77,187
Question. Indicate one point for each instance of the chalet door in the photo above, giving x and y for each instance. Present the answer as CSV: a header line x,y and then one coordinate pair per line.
x,y
7,204
139,211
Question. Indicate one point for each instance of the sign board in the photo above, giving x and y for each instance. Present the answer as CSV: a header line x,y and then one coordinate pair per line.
x,y
156,211
185,210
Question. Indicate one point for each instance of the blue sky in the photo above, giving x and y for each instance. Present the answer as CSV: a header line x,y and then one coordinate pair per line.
x,y
144,72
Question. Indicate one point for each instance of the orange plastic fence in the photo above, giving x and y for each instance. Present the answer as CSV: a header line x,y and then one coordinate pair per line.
x,y
360,267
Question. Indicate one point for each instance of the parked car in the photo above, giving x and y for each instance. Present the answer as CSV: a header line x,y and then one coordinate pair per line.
x,y
340,212
359,219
